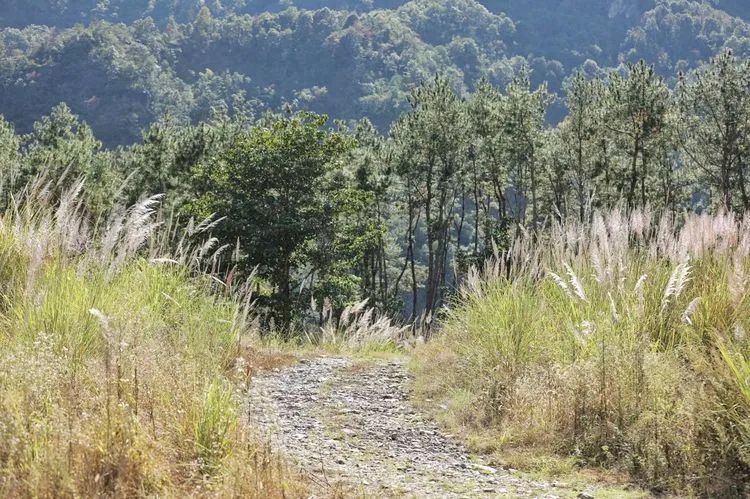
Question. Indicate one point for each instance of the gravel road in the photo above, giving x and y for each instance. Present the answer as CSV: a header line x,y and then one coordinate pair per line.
x,y
350,426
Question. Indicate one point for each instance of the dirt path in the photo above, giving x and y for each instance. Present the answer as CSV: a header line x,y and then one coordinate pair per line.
x,y
352,424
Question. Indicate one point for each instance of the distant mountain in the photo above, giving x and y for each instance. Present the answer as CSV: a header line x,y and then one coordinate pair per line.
x,y
122,64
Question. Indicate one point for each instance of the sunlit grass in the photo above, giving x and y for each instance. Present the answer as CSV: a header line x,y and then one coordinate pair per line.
x,y
617,349
119,375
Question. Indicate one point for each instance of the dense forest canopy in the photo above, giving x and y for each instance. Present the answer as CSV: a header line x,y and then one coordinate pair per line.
x,y
122,65
322,211
377,150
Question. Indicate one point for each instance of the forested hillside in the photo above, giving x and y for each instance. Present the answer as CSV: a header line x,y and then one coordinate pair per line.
x,y
545,205
123,65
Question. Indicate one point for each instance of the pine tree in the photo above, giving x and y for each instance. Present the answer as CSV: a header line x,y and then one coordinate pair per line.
x,y
523,124
715,133
578,135
432,155
637,108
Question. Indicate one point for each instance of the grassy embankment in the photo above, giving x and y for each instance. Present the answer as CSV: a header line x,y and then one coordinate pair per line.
x,y
620,344
121,374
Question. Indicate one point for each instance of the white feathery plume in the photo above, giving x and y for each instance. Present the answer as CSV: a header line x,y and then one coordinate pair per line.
x,y
163,260
576,283
104,322
139,225
474,283
638,289
561,282
220,251
327,309
737,281
207,246
596,261
584,332
208,223
676,283
687,315
358,307
613,309
739,333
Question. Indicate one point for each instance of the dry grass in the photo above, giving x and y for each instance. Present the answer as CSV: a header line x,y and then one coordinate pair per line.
x,y
620,343
118,373
255,361
358,330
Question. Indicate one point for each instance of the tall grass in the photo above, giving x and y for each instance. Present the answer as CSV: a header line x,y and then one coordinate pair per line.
x,y
621,342
118,373
357,329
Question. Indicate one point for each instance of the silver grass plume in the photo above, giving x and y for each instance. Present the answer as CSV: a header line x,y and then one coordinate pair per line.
x,y
687,315
576,284
561,282
676,283
739,333
613,309
737,281
584,332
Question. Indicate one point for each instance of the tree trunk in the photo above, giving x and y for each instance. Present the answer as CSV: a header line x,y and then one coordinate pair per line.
x,y
644,173
430,247
633,173
743,185
285,291
476,209
581,186
726,178
534,211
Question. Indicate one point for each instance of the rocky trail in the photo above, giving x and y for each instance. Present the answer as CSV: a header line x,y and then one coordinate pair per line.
x,y
350,426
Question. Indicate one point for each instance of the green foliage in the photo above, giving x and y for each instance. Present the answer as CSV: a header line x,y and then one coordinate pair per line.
x,y
637,109
678,33
577,153
274,182
439,23
10,160
345,217
215,422
189,57
431,145
164,161
348,214
715,111
118,83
